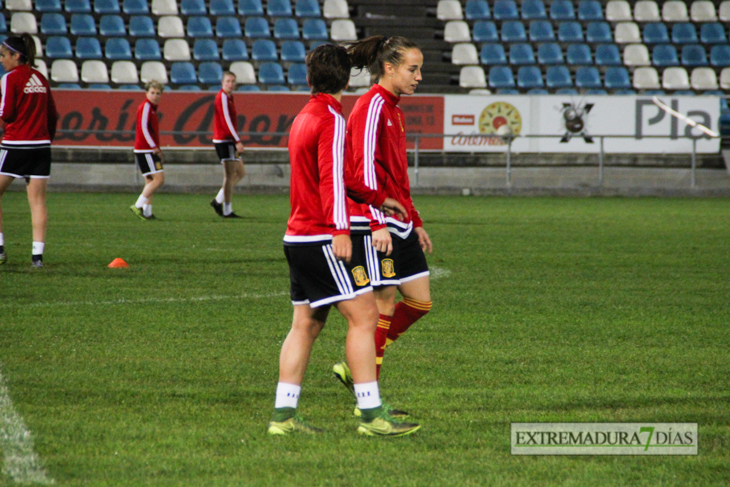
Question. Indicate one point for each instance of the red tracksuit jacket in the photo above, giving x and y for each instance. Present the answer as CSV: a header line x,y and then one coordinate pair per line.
x,y
27,108
225,122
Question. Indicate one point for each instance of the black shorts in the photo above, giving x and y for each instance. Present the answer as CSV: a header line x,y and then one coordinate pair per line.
x,y
148,163
318,278
406,263
25,161
226,151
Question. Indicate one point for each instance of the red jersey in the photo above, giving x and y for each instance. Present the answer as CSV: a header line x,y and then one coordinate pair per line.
x,y
147,137
376,146
318,183
225,120
27,107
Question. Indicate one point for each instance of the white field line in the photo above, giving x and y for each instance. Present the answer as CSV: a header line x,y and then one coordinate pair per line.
x,y
438,272
16,443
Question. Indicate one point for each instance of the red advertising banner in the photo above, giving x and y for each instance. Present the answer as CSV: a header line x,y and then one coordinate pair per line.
x,y
189,115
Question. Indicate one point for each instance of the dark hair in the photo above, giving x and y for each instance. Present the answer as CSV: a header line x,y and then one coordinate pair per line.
x,y
328,69
373,52
23,45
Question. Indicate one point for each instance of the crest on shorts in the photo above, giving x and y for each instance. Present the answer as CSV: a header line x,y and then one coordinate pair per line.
x,y
158,165
360,276
387,268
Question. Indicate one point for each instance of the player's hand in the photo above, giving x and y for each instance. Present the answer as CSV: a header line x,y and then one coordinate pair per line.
x,y
424,240
393,207
382,241
239,148
342,247
158,152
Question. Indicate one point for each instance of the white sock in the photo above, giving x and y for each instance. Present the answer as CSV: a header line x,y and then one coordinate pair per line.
x,y
147,210
38,248
227,208
219,197
141,201
287,395
368,395
2,240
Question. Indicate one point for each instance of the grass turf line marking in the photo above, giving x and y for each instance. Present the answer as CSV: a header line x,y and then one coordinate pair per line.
x,y
439,272
21,462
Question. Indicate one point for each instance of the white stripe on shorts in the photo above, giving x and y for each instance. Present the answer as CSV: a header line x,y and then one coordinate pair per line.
x,y
371,260
338,270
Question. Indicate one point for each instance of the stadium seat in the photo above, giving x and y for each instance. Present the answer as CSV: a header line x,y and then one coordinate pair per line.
x,y
210,73
521,53
94,72
130,87
723,11
529,77
449,10
189,88
684,33
607,55
164,7
18,4
713,33
250,8
694,55
647,11
558,77
297,74
579,55
153,70
3,28
193,7
286,29
112,26
22,22
533,10
234,50
271,74
562,10
703,79
117,48
359,78
336,9
570,32
656,33
46,6
53,24
674,11
485,31
170,26
703,11
464,53
472,77
205,50
107,7
505,10
255,27
598,33
278,8
77,6
221,7
293,52
278,88
508,91
176,50
493,54
627,33
40,65
58,48
88,48
636,55
141,26
477,10
248,88
725,79
550,53
538,91
541,31
307,8
199,26
343,30
147,50
646,78
263,50
183,73
617,79
513,31
618,11
500,77
82,25
590,11
244,72
664,55
588,77
675,79
720,56
64,71
596,91
135,7
315,30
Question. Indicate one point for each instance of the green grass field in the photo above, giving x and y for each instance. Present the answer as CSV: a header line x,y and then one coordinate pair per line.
x,y
559,310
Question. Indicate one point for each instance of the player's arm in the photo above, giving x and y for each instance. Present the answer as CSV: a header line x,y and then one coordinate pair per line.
x,y
8,110
330,162
423,239
360,193
52,115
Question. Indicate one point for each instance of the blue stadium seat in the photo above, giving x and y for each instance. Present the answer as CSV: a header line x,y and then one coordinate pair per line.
x,y
229,27
493,54
53,24
107,6
189,87
596,91
579,55
271,74
625,92
130,87
183,73
529,77
255,27
117,48
135,7
501,77
694,55
541,31
720,56
147,50
588,77
69,86
538,91
234,50
77,6
684,33
521,53
111,26
513,31
654,93
656,33
297,74
484,31
608,55
533,10
222,7
286,29
617,79
664,55
278,88
508,91
562,10
205,50
99,86
210,73
315,30
477,10
550,53
599,33
141,26
505,10
58,47
193,7
263,50
307,8
3,28
713,33
278,8
83,25
199,27
248,88
250,8
47,5
570,32
590,10
88,48
293,52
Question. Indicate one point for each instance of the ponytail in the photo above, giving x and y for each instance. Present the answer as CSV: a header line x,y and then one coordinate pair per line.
x,y
373,52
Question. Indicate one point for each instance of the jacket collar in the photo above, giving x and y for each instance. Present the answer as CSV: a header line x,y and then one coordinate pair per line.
x,y
329,100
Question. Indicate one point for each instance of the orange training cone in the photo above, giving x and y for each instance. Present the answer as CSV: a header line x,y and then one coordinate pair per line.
x,y
117,263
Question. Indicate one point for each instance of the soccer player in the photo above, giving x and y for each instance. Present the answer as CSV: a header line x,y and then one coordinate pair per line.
x,y
147,150
228,145
324,271
30,117
376,142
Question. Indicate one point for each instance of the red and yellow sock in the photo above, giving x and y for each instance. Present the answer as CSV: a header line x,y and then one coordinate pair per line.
x,y
381,334
406,313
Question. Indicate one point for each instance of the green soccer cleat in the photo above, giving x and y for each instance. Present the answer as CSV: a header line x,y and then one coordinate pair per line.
x,y
395,413
386,425
291,425
343,374
139,212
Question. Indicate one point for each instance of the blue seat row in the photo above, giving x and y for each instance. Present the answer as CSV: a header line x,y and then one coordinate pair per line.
x,y
684,33
131,7
586,77
542,31
588,10
184,73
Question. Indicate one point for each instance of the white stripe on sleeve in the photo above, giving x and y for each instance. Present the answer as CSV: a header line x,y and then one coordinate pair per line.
x,y
339,207
227,116
145,128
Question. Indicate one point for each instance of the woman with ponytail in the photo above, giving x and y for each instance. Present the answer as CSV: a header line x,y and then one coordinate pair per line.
x,y
29,113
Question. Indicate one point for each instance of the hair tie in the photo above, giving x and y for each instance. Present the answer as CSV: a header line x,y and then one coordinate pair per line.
x,y
384,41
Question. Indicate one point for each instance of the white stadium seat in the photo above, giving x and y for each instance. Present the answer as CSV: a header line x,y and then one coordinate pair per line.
x,y
646,11
675,11
703,79
18,5
336,9
170,26
23,22
675,78
618,11
164,7
176,50
724,11
646,78
457,31
94,72
244,72
40,65
38,47
343,30
64,71
465,53
153,70
359,78
449,10
627,33
703,11
472,77
480,92
636,55
725,79
124,72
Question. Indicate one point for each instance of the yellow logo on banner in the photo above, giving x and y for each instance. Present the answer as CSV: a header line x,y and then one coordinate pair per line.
x,y
388,270
498,114
360,276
